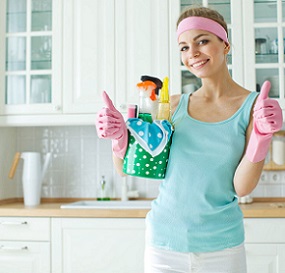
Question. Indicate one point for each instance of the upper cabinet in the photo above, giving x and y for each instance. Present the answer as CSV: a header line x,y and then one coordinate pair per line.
x,y
30,57
61,54
142,45
264,26
57,56
257,37
108,46
88,50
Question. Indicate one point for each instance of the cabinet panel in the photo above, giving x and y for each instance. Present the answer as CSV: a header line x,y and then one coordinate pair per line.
x,y
23,228
88,52
24,257
98,245
30,57
142,45
265,258
264,230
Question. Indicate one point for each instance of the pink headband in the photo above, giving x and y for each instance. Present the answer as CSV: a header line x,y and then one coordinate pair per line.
x,y
202,23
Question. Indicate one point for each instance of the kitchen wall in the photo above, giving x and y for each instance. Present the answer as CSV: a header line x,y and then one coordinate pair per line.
x,y
79,159
7,150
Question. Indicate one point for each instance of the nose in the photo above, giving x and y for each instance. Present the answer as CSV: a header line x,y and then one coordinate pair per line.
x,y
193,53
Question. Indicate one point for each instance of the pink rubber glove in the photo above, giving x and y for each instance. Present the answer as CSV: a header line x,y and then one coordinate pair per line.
x,y
110,124
267,119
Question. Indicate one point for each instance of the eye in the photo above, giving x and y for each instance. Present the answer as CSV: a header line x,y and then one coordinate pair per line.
x,y
184,48
203,42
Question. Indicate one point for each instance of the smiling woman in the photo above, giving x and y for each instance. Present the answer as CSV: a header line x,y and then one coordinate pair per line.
x,y
195,224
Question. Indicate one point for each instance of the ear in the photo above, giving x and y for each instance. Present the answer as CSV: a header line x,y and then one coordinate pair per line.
x,y
227,48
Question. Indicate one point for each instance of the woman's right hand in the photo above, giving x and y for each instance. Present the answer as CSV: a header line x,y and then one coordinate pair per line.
x,y
110,124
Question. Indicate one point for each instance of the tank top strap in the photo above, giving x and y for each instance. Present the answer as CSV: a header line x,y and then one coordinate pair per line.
x,y
182,107
247,107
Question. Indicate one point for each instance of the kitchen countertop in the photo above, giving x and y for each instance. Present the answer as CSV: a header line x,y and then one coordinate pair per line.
x,y
260,208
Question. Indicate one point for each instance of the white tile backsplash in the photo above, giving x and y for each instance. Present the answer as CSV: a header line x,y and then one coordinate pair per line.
x,y
80,158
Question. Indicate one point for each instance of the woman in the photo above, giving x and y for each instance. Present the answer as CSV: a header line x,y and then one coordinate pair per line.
x,y
222,134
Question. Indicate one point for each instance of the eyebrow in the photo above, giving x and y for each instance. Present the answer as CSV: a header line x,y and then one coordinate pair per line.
x,y
196,37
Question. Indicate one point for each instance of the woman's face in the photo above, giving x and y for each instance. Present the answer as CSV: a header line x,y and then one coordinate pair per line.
x,y
202,52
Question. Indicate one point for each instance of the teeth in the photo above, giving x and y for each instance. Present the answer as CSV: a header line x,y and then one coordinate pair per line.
x,y
198,64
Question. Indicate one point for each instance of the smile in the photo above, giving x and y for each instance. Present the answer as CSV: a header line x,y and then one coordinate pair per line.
x,y
199,64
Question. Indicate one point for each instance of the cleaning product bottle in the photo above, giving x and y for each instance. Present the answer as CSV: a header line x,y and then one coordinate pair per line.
x,y
155,80
103,190
148,102
164,105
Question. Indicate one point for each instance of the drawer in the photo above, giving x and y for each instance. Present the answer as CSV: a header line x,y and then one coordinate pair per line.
x,y
265,230
24,256
24,229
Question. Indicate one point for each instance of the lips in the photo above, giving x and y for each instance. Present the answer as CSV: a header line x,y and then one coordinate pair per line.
x,y
199,64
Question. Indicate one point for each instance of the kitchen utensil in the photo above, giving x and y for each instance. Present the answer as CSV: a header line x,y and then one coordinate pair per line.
x,y
33,174
260,46
278,148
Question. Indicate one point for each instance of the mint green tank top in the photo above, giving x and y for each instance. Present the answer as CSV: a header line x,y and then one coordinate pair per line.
x,y
197,209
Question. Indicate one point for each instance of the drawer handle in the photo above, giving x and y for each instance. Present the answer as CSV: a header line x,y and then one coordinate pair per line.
x,y
11,248
13,223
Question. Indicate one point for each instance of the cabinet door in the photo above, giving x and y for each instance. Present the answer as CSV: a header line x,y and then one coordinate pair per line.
x,y
24,257
30,71
264,34
141,45
98,245
88,54
265,258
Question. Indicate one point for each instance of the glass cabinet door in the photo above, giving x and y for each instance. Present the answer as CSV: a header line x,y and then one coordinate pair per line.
x,y
28,68
189,82
268,46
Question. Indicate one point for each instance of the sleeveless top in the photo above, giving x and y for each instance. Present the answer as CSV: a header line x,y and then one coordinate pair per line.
x,y
197,208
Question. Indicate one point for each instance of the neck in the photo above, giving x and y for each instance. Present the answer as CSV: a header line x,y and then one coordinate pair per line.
x,y
218,85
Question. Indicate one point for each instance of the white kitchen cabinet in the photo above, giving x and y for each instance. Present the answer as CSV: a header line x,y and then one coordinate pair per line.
x,y
88,54
24,245
81,245
141,45
30,57
256,33
265,245
109,46
96,45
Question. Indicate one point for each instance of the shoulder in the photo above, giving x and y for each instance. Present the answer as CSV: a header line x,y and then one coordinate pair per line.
x,y
174,101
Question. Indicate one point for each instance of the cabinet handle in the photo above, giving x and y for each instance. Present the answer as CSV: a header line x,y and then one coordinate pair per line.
x,y
13,223
15,248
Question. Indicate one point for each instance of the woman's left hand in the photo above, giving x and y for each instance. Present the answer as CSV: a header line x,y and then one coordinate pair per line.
x,y
267,114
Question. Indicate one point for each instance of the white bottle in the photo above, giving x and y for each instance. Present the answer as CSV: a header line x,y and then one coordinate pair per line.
x,y
278,148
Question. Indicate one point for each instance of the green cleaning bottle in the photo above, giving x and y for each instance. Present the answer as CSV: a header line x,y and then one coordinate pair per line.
x,y
103,190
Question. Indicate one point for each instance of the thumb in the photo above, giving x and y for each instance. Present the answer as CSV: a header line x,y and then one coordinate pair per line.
x,y
108,102
265,88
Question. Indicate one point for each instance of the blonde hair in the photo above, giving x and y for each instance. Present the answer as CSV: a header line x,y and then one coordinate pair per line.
x,y
203,12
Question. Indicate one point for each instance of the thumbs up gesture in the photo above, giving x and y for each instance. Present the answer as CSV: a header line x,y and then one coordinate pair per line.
x,y
267,112
267,119
110,124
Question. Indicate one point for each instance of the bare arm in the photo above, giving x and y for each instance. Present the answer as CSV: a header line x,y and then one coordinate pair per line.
x,y
247,173
118,164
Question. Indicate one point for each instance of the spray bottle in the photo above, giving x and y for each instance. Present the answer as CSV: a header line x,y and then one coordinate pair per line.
x,y
164,105
148,102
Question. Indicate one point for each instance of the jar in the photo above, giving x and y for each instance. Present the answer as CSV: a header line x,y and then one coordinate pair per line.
x,y
278,148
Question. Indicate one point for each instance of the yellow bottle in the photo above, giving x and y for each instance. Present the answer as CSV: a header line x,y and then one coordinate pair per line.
x,y
164,105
